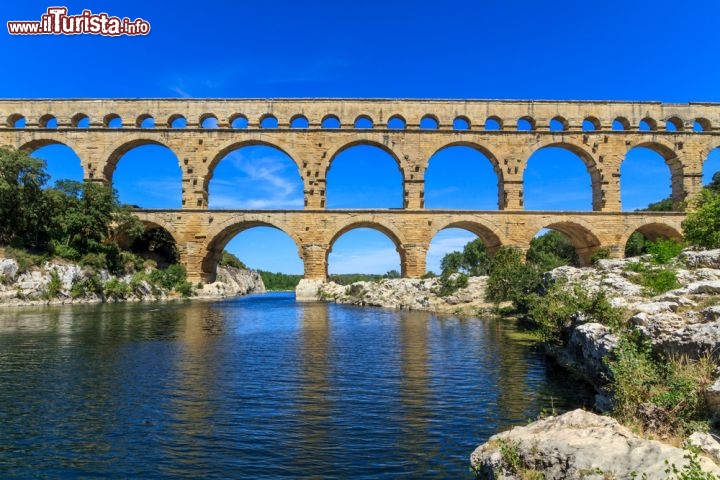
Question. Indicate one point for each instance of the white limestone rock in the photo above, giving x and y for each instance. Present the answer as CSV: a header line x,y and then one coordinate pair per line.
x,y
577,445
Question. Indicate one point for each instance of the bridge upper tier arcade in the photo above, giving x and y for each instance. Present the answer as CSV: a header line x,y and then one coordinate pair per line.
x,y
507,132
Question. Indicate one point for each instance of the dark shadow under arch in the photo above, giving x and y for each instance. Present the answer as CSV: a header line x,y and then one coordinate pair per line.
x,y
582,239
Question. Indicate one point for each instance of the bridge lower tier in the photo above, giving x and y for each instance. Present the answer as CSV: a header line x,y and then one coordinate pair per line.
x,y
201,235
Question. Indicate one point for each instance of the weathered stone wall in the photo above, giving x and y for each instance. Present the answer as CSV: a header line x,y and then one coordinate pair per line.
x,y
683,134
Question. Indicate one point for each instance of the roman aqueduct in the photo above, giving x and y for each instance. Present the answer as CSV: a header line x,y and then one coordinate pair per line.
x,y
100,132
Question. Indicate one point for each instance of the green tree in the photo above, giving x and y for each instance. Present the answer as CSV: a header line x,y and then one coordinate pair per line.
x,y
702,225
511,279
550,250
473,260
21,199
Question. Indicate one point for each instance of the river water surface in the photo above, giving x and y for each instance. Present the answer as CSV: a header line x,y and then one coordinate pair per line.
x,y
260,387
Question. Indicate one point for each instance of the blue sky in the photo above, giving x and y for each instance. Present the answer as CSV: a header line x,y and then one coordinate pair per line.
x,y
619,50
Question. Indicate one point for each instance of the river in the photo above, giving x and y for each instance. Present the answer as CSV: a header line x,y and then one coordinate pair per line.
x,y
260,387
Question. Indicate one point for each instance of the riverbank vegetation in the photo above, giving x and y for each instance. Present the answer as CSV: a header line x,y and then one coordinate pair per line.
x,y
82,223
654,392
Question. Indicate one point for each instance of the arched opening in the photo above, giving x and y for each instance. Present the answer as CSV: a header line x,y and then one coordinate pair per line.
x,y
177,121
112,120
462,176
562,243
258,246
146,174
157,246
640,185
363,249
637,242
449,249
268,121
493,123
621,124
561,177
645,179
526,124
461,123
80,120
591,124
702,125
255,177
558,124
673,124
363,121
647,124
711,170
16,121
396,122
239,121
330,121
364,176
48,121
208,121
429,122
61,161
145,121
299,121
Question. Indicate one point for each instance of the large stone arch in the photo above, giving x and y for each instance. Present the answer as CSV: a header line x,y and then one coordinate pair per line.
x,y
387,229
231,146
653,230
220,235
667,150
39,142
367,142
478,148
579,232
490,235
584,153
125,145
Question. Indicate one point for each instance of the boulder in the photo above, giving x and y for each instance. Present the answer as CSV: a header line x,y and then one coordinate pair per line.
x,y
577,445
587,347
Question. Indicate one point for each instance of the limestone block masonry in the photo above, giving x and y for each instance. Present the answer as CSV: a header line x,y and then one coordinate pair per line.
x,y
508,132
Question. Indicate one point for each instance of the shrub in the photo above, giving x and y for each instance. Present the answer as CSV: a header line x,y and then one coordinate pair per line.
x,y
564,304
24,259
172,278
670,388
512,280
116,288
64,251
662,251
702,224
94,260
659,281
450,283
54,286
77,289
600,254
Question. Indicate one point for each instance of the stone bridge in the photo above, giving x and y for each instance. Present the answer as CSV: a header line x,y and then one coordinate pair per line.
x,y
314,131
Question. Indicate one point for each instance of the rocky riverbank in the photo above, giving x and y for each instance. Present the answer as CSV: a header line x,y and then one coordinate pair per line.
x,y
401,294
59,282
683,322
